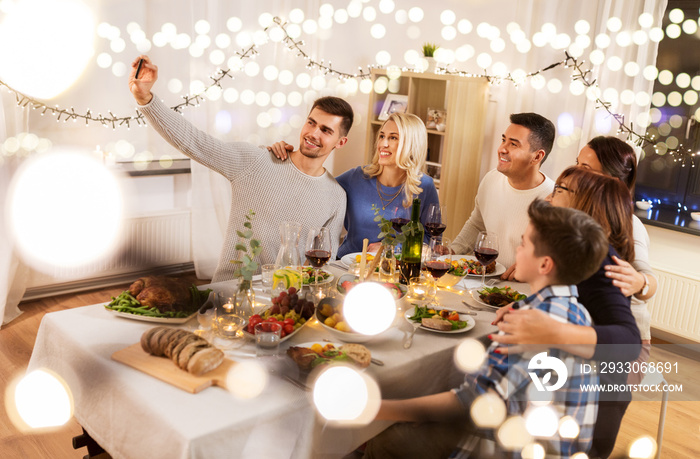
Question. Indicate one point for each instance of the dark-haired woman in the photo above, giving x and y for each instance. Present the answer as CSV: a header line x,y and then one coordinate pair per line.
x,y
636,279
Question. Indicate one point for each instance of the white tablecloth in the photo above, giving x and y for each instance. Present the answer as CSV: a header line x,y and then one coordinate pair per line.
x,y
133,415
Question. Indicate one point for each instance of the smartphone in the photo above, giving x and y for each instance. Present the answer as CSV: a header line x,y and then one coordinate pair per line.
x,y
138,69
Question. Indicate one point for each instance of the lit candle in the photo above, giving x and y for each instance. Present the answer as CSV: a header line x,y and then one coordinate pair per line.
x,y
228,307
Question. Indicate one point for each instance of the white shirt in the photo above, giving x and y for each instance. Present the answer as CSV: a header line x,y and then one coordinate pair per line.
x,y
501,209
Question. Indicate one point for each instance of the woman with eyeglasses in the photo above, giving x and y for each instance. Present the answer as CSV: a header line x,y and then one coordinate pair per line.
x,y
614,337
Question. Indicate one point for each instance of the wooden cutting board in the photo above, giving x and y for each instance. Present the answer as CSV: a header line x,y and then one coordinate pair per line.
x,y
164,369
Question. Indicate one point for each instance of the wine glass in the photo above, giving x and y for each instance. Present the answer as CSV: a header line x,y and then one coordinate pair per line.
x,y
399,217
318,249
438,264
433,222
439,259
486,251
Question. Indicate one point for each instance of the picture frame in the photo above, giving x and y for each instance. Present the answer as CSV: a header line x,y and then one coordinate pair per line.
x,y
394,103
436,119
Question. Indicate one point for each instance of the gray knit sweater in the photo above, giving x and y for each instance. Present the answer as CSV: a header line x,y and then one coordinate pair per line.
x,y
276,191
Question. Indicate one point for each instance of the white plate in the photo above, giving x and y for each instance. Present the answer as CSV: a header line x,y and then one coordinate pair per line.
x,y
322,343
324,281
352,278
475,295
251,336
500,269
337,346
471,323
348,259
158,320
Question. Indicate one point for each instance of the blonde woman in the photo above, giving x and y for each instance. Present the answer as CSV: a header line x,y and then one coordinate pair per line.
x,y
390,181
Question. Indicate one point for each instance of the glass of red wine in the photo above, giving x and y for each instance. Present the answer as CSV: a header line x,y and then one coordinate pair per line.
x,y
400,217
439,259
433,222
486,251
318,249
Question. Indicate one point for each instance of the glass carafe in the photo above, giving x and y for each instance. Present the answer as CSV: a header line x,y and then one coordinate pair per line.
x,y
290,272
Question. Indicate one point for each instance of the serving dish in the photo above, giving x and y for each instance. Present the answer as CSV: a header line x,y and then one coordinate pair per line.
x,y
471,323
157,320
346,337
251,336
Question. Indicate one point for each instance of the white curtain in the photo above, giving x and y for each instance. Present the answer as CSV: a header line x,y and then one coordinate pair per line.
x,y
356,42
13,273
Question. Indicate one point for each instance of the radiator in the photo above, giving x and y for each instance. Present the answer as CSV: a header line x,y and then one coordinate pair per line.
x,y
145,244
675,308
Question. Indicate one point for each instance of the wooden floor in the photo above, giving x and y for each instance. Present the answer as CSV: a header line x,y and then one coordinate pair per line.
x,y
681,436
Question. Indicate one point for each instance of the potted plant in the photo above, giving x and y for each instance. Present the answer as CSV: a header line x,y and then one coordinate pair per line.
x,y
429,54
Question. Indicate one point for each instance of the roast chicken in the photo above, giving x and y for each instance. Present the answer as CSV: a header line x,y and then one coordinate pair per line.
x,y
164,293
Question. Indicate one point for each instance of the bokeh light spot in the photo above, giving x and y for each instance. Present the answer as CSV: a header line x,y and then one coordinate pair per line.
x,y
66,210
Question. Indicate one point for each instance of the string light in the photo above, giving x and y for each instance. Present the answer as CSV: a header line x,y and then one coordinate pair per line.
x,y
580,75
641,140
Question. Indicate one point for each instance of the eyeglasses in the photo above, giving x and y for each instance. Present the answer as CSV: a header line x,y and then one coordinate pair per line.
x,y
561,187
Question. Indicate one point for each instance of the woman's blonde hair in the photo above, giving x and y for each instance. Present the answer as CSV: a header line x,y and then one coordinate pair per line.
x,y
410,153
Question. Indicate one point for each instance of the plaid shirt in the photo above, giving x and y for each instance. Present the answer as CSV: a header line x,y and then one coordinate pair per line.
x,y
508,376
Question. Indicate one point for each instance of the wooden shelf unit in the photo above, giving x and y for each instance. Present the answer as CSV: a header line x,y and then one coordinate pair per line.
x,y
454,152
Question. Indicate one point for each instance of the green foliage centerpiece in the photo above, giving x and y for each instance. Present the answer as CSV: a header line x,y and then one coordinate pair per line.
x,y
247,249
390,238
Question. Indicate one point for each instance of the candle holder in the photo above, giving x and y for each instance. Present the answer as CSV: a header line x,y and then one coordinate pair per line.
x,y
422,288
228,323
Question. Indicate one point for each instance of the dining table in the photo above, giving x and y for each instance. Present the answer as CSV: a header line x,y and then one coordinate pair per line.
x,y
132,414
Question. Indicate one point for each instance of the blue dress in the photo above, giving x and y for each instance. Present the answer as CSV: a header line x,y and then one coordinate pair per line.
x,y
361,191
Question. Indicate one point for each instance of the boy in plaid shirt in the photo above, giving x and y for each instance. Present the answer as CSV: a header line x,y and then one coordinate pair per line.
x,y
560,248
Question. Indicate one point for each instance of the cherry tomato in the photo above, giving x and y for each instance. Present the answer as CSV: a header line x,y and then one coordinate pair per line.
x,y
283,334
289,321
287,329
254,321
453,316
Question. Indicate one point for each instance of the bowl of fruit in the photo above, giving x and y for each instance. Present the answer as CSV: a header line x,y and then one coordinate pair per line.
x,y
329,313
288,309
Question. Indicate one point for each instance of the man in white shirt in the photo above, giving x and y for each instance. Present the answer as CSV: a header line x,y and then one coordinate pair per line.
x,y
506,192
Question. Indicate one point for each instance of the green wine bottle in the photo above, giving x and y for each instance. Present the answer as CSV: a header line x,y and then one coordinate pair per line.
x,y
413,246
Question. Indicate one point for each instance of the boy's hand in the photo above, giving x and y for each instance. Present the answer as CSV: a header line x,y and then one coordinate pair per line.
x,y
624,276
281,149
141,87
500,312
525,328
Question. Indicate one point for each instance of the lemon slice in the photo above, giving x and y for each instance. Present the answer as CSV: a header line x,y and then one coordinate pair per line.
x,y
286,277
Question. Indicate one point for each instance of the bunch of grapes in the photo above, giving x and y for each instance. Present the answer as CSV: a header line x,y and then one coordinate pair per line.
x,y
289,300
